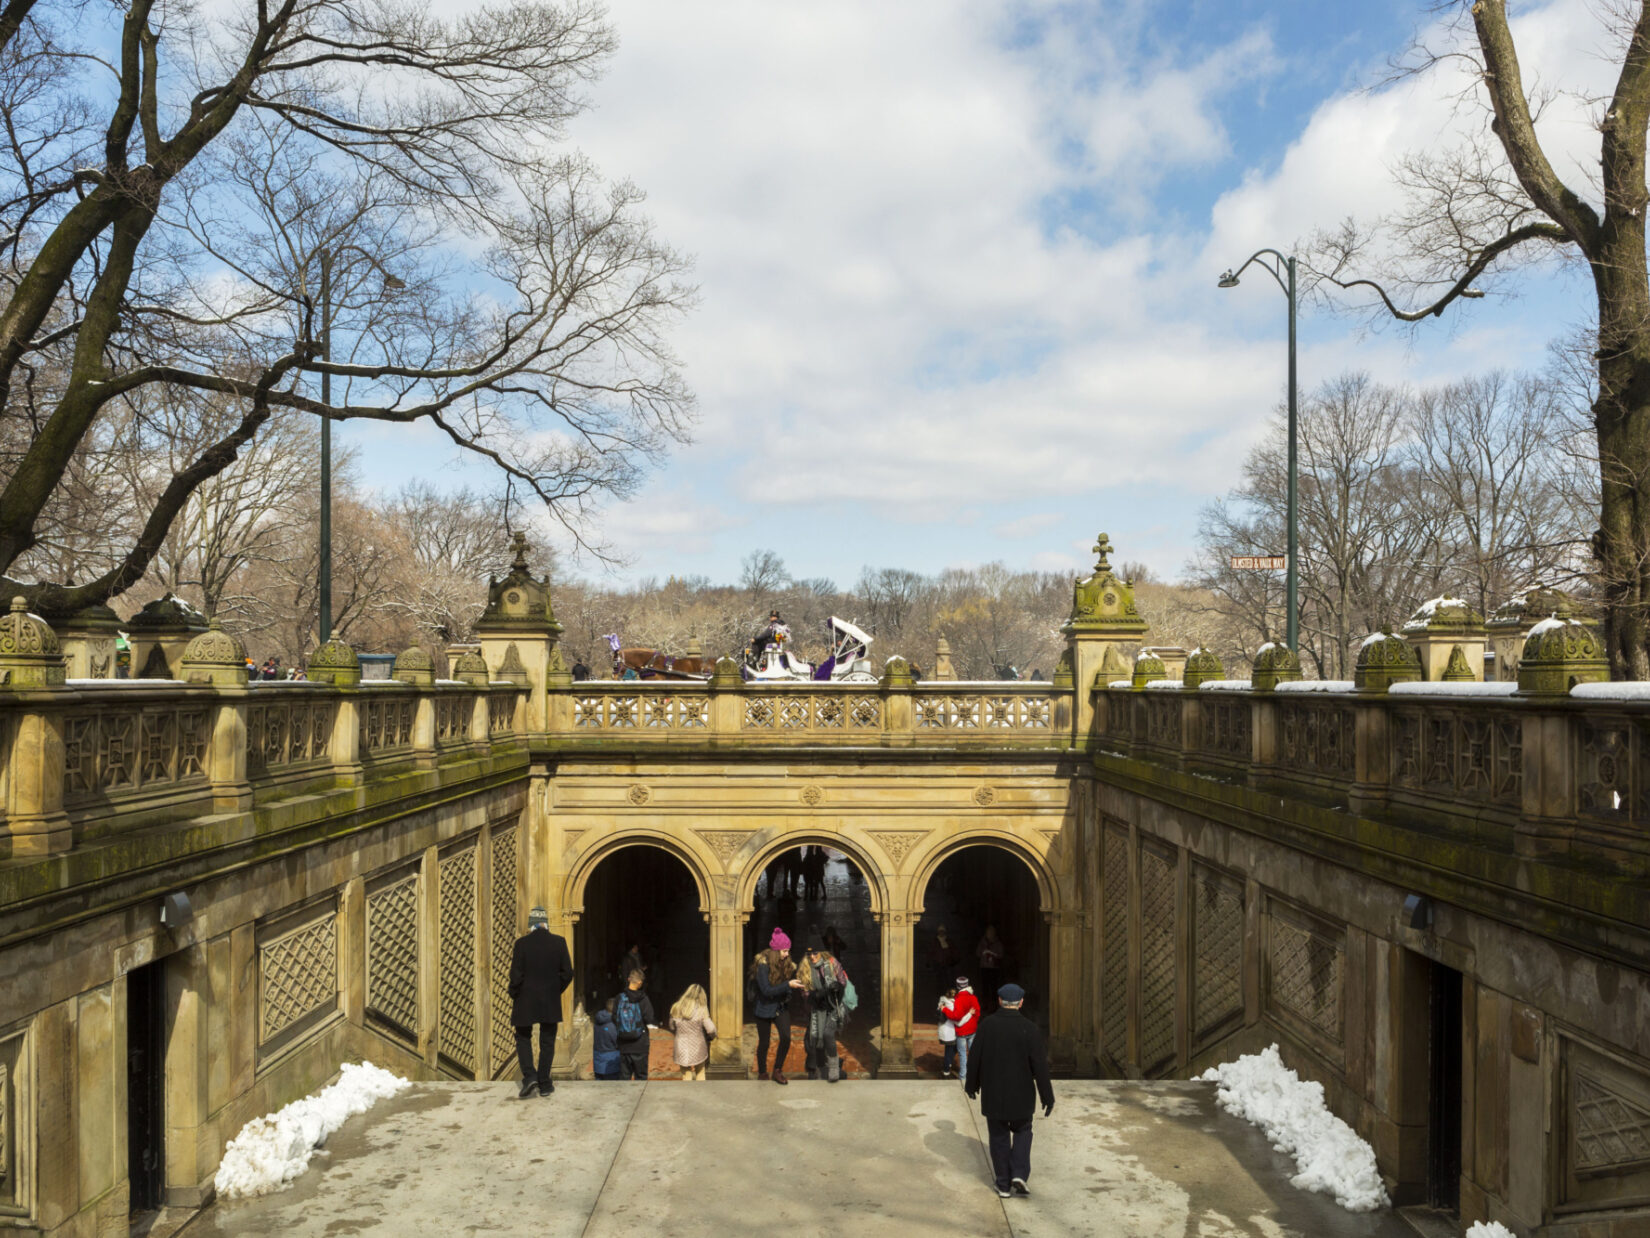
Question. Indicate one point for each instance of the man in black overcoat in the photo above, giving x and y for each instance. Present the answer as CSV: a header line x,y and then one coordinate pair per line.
x,y
540,971
1008,1070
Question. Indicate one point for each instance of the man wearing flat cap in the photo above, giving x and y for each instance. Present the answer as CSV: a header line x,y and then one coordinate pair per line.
x,y
1008,1071
540,971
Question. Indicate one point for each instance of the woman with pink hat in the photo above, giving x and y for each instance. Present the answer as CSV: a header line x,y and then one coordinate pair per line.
x,y
769,990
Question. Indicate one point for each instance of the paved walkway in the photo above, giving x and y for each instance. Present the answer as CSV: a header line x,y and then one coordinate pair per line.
x,y
896,1158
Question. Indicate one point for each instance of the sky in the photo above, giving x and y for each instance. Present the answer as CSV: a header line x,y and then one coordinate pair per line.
x,y
957,263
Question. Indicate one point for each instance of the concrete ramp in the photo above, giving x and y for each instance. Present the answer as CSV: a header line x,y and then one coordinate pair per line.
x,y
902,1159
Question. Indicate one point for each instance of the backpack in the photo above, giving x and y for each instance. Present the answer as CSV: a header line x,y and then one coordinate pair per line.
x,y
628,1015
850,998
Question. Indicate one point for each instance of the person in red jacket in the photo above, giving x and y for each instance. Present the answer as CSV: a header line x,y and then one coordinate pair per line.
x,y
965,1013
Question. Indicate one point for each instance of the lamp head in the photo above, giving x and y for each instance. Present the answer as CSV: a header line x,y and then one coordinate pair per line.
x,y
1228,280
393,284
1473,294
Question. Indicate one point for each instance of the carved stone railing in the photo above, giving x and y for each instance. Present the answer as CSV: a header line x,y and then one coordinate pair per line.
x,y
926,714
1420,754
121,754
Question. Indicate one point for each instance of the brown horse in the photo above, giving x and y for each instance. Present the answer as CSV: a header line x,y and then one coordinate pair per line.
x,y
655,664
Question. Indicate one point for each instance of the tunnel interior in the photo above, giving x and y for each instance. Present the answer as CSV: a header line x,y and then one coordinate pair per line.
x,y
641,896
979,887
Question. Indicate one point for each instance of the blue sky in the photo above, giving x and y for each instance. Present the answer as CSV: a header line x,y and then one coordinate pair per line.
x,y
958,262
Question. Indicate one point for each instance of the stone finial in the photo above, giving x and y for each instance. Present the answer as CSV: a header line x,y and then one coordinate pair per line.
x,y
1385,659
1558,654
1202,667
519,603
728,673
414,666
30,656
1274,664
168,613
896,673
470,668
694,648
1102,604
1062,677
1148,668
335,663
1102,549
942,660
1457,670
214,657
1512,619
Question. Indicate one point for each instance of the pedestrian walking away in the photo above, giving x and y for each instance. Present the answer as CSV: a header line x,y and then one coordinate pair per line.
x,y
948,1033
943,958
633,1015
690,1020
604,1050
823,983
540,971
770,993
1008,1071
991,952
965,1016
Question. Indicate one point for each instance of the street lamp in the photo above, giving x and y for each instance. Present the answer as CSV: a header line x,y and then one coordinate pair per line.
x,y
1282,269
324,576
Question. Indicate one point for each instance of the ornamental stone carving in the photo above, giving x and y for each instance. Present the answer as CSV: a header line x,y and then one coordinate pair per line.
x,y
335,662
897,843
896,673
812,796
215,656
519,602
30,656
1274,664
414,666
1103,602
1558,654
1385,660
725,843
985,796
1202,667
638,795
1148,668
470,668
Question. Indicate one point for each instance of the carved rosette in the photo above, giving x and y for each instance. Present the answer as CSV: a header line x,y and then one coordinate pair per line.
x,y
638,795
812,796
985,797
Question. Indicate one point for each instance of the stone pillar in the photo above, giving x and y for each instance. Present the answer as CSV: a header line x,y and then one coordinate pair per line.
x,y
88,641
1064,983
727,991
1449,638
898,710
518,634
943,669
1103,631
218,659
31,681
1557,655
898,949
1516,616
336,663
189,1052
160,633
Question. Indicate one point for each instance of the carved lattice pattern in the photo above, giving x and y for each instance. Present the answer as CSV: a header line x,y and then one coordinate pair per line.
x,y
505,921
1317,739
105,751
298,975
759,714
1611,1132
386,724
968,712
1306,969
1157,941
1472,754
1217,916
865,713
1226,727
454,713
458,958
392,954
501,712
287,733
1603,776
793,714
1119,715
1114,946
1162,720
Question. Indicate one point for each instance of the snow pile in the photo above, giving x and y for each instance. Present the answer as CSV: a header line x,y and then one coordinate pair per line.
x,y
1424,687
1329,1156
271,1151
1317,685
1369,640
1488,1229
1224,685
1418,621
1167,683
1549,625
1121,683
1623,691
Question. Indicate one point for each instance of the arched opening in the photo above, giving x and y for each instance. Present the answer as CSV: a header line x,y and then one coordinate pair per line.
x,y
809,890
641,896
976,889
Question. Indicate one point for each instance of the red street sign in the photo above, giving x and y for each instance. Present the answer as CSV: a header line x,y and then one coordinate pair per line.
x,y
1260,563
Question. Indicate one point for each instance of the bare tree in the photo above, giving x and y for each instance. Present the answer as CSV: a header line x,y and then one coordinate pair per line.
x,y
452,544
1481,210
172,242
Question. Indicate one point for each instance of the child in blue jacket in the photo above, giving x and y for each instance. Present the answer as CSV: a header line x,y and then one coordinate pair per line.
x,y
605,1056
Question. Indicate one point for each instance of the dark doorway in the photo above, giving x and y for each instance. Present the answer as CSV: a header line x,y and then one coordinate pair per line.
x,y
979,888
819,890
1444,1090
645,897
146,1085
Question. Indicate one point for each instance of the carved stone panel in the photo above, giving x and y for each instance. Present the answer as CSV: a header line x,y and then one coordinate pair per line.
x,y
897,843
297,977
725,843
1304,974
506,919
1605,1109
1157,951
457,1024
1114,946
392,954
1217,973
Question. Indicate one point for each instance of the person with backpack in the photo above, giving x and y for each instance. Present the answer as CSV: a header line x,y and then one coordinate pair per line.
x,y
823,982
631,1016
770,995
540,971
604,1055
690,1021
965,1015
948,1034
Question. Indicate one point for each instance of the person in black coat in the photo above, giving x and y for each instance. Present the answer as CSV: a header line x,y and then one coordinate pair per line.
x,y
1008,1070
540,971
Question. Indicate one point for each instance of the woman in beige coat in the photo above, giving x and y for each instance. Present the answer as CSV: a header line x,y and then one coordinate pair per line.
x,y
690,1020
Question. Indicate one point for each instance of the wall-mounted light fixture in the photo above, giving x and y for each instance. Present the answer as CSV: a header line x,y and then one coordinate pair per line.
x,y
1418,912
175,910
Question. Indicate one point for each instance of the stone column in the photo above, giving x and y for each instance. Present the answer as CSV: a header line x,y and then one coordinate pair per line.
x,y
161,633
189,1053
898,709
218,659
518,634
898,929
727,991
1103,630
88,640
415,667
31,684
1064,983
336,663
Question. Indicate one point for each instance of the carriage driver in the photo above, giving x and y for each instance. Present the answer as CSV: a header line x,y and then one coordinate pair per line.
x,y
766,635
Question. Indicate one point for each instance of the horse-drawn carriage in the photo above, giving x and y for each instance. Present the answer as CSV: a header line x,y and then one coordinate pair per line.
x,y
770,660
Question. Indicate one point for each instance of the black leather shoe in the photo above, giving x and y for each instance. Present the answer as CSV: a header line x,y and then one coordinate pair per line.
x,y
546,1088
528,1087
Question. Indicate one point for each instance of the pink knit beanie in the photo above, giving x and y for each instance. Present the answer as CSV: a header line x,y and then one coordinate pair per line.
x,y
779,941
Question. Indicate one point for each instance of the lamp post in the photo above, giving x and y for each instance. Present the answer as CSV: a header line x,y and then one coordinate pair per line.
x,y
324,575
1283,270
